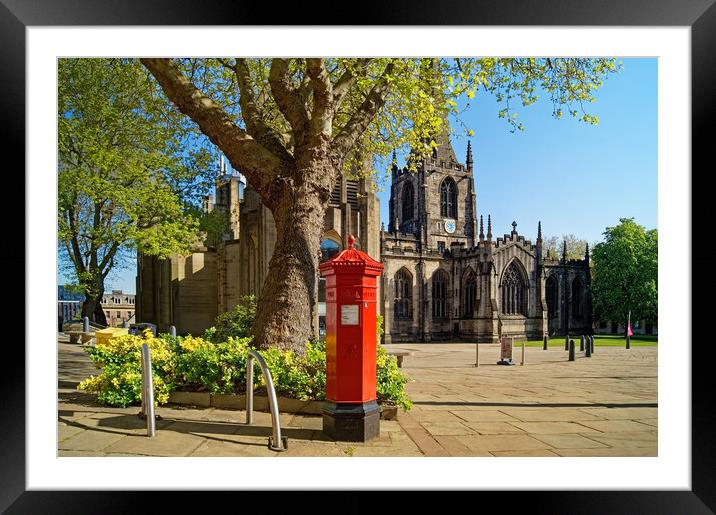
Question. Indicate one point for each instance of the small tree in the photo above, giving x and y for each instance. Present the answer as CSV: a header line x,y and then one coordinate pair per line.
x,y
625,273
576,248
124,172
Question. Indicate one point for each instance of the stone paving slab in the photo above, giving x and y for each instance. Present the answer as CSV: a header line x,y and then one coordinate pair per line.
x,y
543,428
494,428
484,415
552,415
95,441
537,453
165,443
616,426
622,413
628,440
447,429
562,441
490,443
614,452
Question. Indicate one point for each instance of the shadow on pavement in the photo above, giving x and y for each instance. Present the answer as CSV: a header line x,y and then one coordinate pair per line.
x,y
201,428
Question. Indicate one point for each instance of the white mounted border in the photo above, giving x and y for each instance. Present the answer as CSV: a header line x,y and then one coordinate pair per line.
x,y
671,470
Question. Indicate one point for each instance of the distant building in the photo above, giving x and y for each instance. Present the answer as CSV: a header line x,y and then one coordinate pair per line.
x,y
69,305
119,307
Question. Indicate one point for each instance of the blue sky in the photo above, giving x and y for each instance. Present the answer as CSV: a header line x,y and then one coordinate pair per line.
x,y
576,178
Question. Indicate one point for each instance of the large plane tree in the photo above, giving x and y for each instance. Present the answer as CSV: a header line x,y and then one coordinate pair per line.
x,y
293,125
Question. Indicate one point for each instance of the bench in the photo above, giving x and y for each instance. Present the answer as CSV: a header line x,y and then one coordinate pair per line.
x,y
400,354
77,336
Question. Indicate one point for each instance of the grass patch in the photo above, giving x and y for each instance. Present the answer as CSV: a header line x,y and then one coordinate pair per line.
x,y
600,340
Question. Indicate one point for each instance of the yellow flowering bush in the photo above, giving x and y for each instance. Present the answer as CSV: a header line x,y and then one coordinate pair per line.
x,y
198,364
120,382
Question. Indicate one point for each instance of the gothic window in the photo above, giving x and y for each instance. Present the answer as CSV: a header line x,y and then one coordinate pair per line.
x,y
552,297
577,298
469,295
448,198
513,292
440,291
408,194
403,306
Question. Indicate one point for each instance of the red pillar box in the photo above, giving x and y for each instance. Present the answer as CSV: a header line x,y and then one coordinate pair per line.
x,y
351,412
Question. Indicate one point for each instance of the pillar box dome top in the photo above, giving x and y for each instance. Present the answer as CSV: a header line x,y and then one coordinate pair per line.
x,y
350,261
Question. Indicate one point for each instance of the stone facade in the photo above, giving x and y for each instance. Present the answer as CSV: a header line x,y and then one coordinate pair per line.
x,y
442,281
190,291
119,307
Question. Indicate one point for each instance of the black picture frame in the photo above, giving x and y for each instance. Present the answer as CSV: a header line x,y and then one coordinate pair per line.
x,y
699,15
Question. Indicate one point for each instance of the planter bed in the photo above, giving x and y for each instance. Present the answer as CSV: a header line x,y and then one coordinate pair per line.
x,y
285,404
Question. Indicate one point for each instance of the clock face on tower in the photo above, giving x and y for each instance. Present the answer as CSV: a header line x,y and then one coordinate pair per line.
x,y
449,225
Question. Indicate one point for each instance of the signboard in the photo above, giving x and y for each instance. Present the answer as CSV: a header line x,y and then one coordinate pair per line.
x,y
506,348
349,314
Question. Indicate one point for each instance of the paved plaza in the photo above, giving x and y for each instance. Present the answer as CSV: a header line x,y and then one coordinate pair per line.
x,y
605,405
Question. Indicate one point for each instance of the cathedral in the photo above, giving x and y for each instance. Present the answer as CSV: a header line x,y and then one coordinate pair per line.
x,y
445,278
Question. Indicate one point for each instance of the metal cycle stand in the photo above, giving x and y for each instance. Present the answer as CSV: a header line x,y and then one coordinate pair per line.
x,y
148,391
275,441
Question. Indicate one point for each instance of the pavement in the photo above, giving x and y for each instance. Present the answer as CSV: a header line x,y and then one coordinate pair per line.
x,y
605,405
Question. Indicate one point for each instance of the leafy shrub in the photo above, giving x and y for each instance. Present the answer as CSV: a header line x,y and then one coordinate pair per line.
x,y
200,364
235,323
390,381
303,377
120,383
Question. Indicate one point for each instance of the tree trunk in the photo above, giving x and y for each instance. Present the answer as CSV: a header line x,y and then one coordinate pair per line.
x,y
92,306
285,311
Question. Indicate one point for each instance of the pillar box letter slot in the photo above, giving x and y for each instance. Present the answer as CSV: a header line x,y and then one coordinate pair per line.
x,y
351,412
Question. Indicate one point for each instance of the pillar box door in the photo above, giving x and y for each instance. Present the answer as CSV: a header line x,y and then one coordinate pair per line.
x,y
351,412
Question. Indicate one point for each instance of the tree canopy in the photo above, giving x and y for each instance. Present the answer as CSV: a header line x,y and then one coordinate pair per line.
x,y
292,126
625,273
128,164
576,248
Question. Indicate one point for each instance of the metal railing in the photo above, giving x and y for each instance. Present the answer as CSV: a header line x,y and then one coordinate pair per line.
x,y
276,441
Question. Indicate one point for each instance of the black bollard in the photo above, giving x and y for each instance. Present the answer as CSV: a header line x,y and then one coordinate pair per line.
x,y
544,342
591,342
566,342
581,343
588,349
571,350
628,342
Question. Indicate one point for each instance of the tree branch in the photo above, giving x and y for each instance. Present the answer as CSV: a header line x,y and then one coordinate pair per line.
x,y
361,119
256,162
322,114
344,83
287,98
251,115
